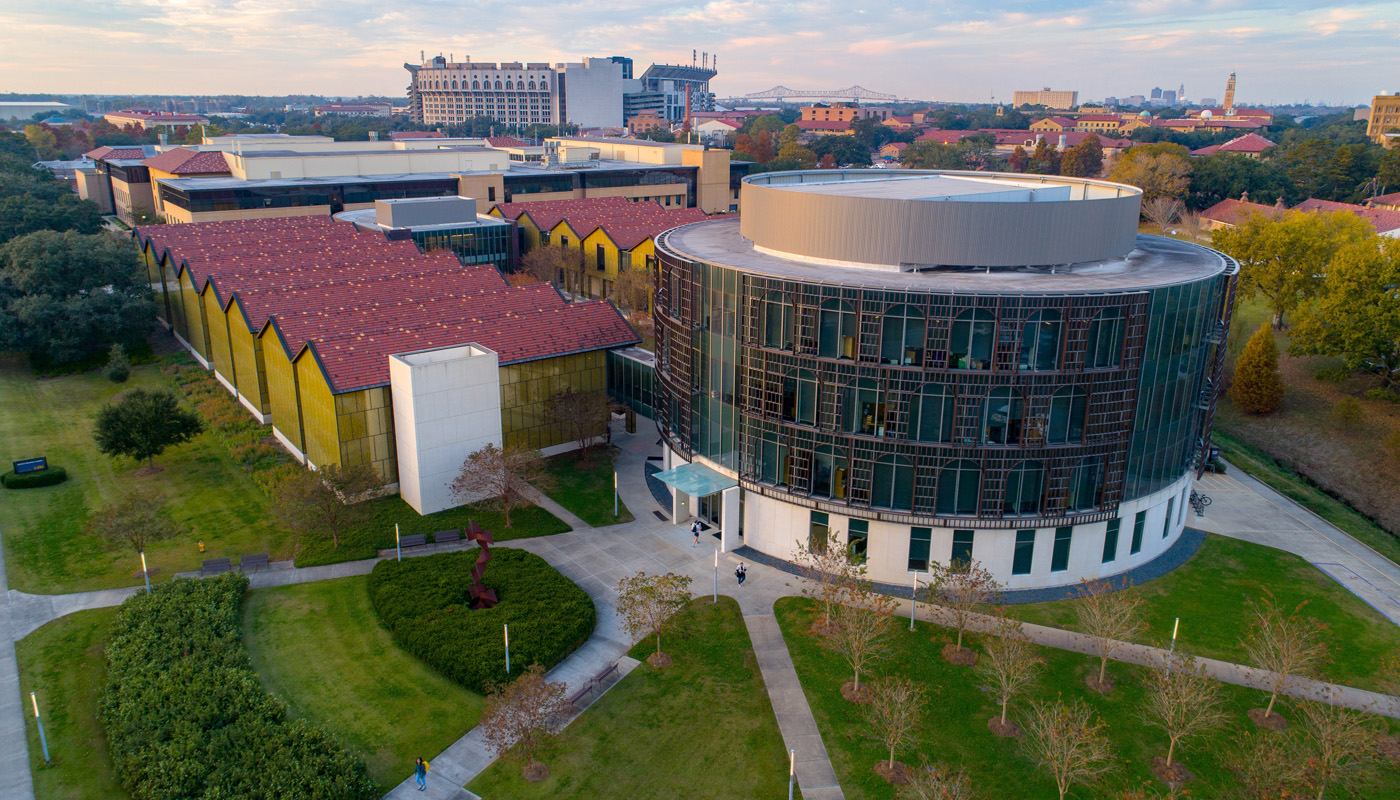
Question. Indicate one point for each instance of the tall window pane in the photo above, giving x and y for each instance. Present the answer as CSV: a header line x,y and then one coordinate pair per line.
x,y
1084,485
1059,557
863,408
1110,540
931,414
1040,341
919,539
1105,345
800,397
819,530
777,321
961,558
829,473
1024,556
858,539
902,336
958,487
1068,408
1001,417
970,345
1139,523
1024,486
836,330
1167,522
893,484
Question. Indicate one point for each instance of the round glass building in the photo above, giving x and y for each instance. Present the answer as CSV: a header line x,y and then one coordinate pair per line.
x,y
939,366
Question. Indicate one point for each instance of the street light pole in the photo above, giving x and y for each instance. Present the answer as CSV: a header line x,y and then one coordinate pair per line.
x,y
507,629
716,598
145,573
398,548
914,601
792,771
43,742
614,491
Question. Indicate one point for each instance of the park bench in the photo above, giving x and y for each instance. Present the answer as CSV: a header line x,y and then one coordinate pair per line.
x,y
254,561
413,540
447,537
602,676
213,566
595,682
580,694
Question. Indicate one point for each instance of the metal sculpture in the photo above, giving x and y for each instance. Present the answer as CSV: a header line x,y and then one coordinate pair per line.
x,y
481,596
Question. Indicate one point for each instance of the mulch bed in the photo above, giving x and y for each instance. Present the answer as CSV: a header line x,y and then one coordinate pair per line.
x,y
1273,722
1006,730
897,776
1174,776
859,697
536,772
1092,681
659,660
960,656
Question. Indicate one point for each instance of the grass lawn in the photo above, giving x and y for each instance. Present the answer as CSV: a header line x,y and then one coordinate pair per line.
x,y
63,663
319,647
1209,593
46,550
700,728
587,488
954,729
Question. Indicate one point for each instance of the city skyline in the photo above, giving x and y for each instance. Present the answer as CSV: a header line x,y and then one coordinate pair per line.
x,y
1285,53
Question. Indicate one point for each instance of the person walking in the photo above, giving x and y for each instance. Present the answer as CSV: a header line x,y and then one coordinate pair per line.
x,y
741,572
695,532
420,774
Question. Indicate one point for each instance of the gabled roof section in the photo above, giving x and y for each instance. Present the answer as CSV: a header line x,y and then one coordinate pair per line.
x,y
1232,212
505,141
184,161
107,153
1249,144
628,224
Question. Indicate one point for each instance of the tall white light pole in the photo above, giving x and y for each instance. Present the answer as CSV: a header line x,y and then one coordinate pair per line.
x,y
43,742
145,573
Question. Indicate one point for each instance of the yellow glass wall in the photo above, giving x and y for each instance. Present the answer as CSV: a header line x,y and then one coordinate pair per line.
x,y
248,361
527,389
219,353
365,422
317,412
197,329
281,388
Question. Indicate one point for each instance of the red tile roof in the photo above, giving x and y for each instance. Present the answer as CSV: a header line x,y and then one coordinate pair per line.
x,y
353,297
506,141
183,161
628,224
397,135
1249,143
1392,199
1383,220
1233,212
1256,113
105,152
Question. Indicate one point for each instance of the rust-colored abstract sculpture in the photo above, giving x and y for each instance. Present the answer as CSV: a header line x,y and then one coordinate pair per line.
x,y
481,596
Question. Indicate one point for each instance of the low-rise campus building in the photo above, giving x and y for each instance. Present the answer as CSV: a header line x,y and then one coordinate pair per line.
x,y
939,367
359,349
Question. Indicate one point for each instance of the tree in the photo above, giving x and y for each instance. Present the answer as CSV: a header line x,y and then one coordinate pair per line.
x,y
585,413
1341,745
1084,160
1010,666
1388,171
507,475
1285,643
136,521
1257,387
1182,700
118,367
895,710
1065,740
325,501
1111,615
1159,170
141,424
936,782
758,144
1162,211
1018,160
1191,225
633,289
64,295
43,140
1045,158
1284,257
842,149
977,150
523,715
1356,316
829,572
557,264
963,589
861,629
648,605
1230,175
929,154
797,155
1268,765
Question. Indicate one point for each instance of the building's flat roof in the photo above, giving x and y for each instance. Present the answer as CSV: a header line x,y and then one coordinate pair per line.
x,y
241,183
386,152
1157,261
916,187
368,218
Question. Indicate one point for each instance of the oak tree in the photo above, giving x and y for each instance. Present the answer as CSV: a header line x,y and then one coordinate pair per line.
x,y
141,424
136,521
936,782
325,501
829,571
584,413
861,628
1182,700
1356,315
963,590
1010,664
1340,745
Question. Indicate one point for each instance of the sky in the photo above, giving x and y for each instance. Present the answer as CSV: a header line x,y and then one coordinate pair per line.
x,y
1284,51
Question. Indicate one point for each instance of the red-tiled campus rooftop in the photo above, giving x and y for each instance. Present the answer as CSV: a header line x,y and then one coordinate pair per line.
x,y
183,161
627,223
353,298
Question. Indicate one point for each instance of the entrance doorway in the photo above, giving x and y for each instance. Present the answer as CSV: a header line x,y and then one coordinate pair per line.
x,y
708,509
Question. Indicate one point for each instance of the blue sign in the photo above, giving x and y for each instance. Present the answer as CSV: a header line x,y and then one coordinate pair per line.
x,y
31,465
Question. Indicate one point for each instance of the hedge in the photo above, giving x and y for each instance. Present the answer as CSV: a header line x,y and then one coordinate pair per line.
x,y
423,602
33,480
186,716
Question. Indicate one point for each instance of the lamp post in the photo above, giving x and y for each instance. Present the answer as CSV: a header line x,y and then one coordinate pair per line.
x,y
43,742
614,491
145,573
914,601
1175,627
792,771
507,630
716,598
398,548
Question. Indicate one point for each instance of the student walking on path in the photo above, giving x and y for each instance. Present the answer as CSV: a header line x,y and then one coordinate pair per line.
x,y
695,531
420,774
741,572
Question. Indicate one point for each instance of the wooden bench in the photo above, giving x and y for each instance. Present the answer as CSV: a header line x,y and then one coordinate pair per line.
x,y
580,694
413,540
254,561
213,566
611,669
447,537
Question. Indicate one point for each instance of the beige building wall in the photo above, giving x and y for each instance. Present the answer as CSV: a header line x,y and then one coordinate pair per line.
x,y
127,196
92,185
394,162
1047,98
1385,115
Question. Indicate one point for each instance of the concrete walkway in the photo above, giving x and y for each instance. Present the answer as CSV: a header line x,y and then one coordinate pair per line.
x,y
16,782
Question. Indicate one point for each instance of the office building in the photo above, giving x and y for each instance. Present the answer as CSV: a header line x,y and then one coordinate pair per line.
x,y
513,93
1383,126
1058,100
148,120
939,367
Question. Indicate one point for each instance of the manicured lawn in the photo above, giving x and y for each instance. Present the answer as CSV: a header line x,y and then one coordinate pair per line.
x,y
319,647
700,728
46,549
954,729
63,663
1209,594
586,488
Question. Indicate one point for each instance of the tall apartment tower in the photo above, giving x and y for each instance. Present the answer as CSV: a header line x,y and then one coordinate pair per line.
x,y
1229,104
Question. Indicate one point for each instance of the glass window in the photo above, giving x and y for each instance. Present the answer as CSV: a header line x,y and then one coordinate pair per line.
x,y
863,408
1059,557
773,462
1025,485
800,397
970,346
1181,507
857,539
1110,540
829,473
1024,555
958,488
1084,485
1001,417
902,336
931,414
894,483
836,332
1105,345
777,321
1167,521
1040,341
919,539
1139,523
819,530
962,550
1068,408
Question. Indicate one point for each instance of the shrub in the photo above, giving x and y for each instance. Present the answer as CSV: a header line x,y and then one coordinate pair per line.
x,y
118,365
1332,374
33,480
424,604
1386,395
1257,387
186,716
1346,413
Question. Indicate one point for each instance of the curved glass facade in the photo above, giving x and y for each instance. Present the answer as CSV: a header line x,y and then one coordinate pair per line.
x,y
933,408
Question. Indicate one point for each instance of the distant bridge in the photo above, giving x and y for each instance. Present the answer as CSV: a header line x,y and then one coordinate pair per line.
x,y
781,93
